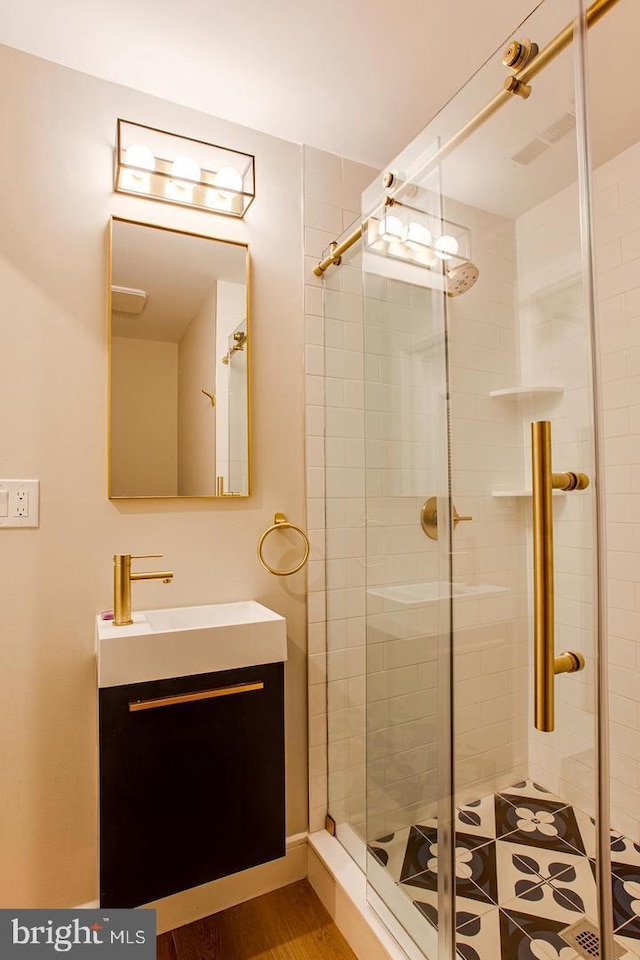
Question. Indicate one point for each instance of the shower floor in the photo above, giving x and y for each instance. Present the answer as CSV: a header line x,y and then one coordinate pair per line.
x,y
524,872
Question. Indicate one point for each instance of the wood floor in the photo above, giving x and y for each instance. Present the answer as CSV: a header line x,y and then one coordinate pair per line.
x,y
288,924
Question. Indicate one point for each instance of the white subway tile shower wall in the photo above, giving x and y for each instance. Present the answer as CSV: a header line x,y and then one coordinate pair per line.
x,y
490,632
566,763
335,492
402,357
554,341
401,641
399,456
490,451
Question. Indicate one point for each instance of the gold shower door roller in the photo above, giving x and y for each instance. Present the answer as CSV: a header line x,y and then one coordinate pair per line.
x,y
429,517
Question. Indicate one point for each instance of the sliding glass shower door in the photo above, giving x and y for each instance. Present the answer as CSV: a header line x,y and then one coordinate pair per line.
x,y
408,559
487,814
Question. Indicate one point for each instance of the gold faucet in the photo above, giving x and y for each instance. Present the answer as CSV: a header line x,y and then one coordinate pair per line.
x,y
122,577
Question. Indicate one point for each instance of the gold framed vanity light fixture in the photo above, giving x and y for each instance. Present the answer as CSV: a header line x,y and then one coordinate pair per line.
x,y
164,166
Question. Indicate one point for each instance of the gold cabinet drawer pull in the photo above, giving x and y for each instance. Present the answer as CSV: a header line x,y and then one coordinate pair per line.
x,y
135,705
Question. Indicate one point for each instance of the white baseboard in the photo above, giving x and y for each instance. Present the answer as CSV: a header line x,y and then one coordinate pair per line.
x,y
341,886
199,902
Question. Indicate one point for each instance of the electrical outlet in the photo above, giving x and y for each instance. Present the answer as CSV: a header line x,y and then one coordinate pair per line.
x,y
22,503
19,503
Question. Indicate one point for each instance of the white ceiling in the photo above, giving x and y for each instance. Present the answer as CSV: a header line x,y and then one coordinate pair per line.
x,y
355,77
360,78
177,271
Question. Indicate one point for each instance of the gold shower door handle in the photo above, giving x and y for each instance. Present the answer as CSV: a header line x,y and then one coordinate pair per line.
x,y
546,664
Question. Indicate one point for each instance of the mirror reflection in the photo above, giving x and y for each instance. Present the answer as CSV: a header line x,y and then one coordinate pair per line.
x,y
179,341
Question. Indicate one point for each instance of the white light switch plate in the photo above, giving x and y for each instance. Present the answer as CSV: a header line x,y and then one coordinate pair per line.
x,y
19,503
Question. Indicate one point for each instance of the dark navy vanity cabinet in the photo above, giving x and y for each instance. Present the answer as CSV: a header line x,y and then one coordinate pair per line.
x,y
192,784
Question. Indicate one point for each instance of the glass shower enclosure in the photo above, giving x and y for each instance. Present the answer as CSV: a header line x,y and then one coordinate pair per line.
x,y
469,771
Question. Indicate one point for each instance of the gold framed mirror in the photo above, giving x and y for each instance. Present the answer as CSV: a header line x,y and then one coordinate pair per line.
x,y
179,344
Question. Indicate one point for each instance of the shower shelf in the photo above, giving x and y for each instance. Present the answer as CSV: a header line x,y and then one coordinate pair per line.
x,y
517,393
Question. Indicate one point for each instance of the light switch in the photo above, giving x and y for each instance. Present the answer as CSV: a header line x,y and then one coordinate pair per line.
x,y
19,503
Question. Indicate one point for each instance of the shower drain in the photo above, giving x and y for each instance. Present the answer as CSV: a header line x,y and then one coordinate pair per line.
x,y
583,936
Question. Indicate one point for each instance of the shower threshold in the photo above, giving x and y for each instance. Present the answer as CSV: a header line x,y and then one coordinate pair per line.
x,y
525,871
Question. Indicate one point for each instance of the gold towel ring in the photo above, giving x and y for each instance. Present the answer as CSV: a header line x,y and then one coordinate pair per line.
x,y
280,522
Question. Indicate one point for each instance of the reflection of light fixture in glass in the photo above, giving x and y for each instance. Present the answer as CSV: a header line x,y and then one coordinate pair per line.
x,y
446,247
390,228
165,166
416,236
138,155
184,169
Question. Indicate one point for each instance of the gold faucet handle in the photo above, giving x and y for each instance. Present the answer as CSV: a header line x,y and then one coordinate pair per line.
x,y
457,518
146,556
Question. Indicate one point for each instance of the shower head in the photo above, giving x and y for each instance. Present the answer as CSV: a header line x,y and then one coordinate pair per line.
x,y
461,278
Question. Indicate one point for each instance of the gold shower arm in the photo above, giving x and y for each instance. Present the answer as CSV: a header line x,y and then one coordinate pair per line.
x,y
546,664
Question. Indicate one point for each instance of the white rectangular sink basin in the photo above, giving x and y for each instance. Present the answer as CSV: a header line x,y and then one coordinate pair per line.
x,y
183,641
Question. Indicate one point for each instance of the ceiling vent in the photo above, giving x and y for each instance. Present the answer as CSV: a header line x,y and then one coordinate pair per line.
x,y
563,125
128,300
530,153
552,134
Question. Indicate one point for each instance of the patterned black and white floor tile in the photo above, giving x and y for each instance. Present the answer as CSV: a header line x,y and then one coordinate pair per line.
x,y
525,871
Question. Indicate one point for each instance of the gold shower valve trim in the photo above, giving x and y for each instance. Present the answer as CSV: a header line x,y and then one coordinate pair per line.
x,y
429,517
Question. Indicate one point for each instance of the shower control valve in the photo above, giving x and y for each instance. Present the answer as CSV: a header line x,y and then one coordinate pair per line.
x,y
429,517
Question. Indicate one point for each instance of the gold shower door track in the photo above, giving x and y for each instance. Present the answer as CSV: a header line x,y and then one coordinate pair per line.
x,y
514,83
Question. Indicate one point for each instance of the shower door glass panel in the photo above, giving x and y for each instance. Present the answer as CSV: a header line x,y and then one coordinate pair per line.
x,y
408,635
345,550
515,351
615,146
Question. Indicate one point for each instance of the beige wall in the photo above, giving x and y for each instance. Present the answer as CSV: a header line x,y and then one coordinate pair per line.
x,y
56,199
196,416
144,423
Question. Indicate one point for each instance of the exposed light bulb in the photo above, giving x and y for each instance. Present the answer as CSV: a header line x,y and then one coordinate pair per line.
x,y
138,155
446,247
390,228
416,236
183,168
230,178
